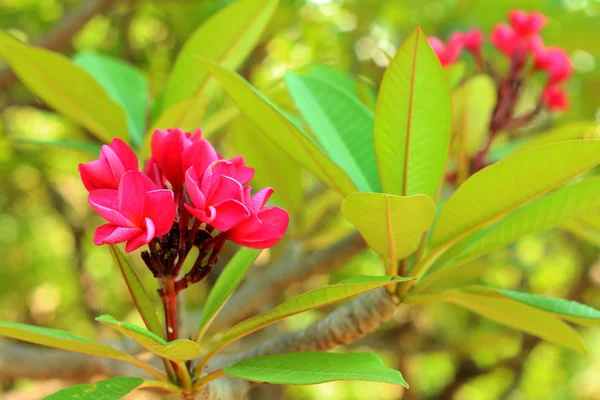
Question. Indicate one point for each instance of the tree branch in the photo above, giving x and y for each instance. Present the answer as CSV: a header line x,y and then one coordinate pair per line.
x,y
64,31
293,267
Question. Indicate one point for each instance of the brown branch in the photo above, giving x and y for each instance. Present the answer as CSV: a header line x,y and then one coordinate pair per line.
x,y
64,31
293,267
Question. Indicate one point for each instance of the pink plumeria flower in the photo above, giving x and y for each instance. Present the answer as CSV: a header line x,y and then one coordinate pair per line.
x,y
106,172
556,99
527,24
505,39
472,40
170,150
264,227
217,193
555,61
447,53
136,213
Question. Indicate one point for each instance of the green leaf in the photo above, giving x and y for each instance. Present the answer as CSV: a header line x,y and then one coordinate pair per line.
x,y
272,167
334,77
392,226
125,84
90,148
177,350
226,38
515,314
310,300
228,281
455,73
342,124
68,341
412,121
66,87
138,294
472,107
567,309
277,128
109,389
541,214
586,227
494,192
566,131
309,368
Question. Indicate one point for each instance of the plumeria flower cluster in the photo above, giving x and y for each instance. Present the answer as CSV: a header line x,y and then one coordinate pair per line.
x,y
187,196
520,42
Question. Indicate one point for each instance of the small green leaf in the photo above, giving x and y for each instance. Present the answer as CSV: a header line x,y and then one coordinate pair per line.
x,y
90,148
342,124
228,281
109,389
393,226
125,85
68,341
138,294
412,121
567,309
277,128
309,368
495,191
272,167
177,350
66,87
311,300
227,38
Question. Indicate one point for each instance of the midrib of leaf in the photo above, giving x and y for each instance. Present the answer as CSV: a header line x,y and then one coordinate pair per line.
x,y
410,116
196,98
62,94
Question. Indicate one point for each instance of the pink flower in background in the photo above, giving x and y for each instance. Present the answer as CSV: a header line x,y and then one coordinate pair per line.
x,y
217,195
264,227
168,151
472,40
505,39
527,24
554,61
447,53
105,173
556,98
136,213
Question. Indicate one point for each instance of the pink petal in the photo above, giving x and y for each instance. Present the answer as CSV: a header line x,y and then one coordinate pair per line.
x,y
125,154
228,214
198,213
199,155
132,195
160,208
260,199
143,238
243,173
105,202
97,174
193,187
225,188
111,234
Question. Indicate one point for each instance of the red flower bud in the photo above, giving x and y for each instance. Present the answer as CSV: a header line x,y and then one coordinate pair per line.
x,y
556,99
527,24
106,172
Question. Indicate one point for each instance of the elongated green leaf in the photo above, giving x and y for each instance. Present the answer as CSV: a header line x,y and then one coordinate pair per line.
x,y
226,38
309,368
566,131
67,341
472,106
501,188
566,309
517,315
342,124
455,73
539,215
177,350
125,84
228,281
308,301
586,227
277,128
272,167
66,87
412,121
138,294
334,77
392,226
109,389
90,148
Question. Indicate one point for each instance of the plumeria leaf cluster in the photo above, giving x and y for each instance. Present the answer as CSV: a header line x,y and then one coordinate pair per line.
x,y
423,197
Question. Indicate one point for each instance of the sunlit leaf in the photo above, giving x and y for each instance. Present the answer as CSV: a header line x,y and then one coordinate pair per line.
x,y
177,350
412,121
342,125
66,87
587,227
277,128
392,225
90,148
501,188
228,281
67,341
309,368
109,389
125,85
565,131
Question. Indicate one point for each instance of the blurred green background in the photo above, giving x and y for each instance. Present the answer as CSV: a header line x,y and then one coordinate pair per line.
x,y
51,273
